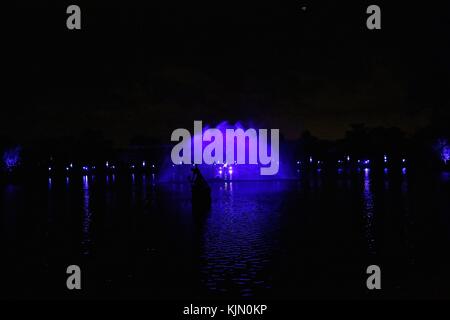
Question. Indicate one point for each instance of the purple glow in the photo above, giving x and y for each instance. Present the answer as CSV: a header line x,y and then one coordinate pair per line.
x,y
403,160
348,158
310,159
143,164
11,158
212,171
403,170
445,155
442,147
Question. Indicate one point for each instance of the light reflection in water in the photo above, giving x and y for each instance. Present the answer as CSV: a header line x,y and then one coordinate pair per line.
x,y
144,187
445,177
368,211
239,236
87,217
133,189
386,179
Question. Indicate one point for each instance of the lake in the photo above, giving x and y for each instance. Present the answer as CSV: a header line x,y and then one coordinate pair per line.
x,y
310,238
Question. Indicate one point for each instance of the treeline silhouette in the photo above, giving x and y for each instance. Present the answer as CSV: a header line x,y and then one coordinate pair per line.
x,y
425,148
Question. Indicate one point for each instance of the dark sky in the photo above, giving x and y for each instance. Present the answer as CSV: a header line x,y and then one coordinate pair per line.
x,y
135,70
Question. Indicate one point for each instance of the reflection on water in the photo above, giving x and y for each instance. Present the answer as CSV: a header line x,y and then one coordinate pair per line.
x,y
87,217
368,211
240,237
258,238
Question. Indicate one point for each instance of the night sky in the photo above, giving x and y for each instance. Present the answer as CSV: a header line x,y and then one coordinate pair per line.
x,y
135,70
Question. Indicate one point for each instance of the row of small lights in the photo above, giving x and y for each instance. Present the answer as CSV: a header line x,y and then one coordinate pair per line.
x,y
366,162
225,165
107,165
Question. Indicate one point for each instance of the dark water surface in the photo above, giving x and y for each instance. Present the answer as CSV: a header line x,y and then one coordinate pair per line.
x,y
310,238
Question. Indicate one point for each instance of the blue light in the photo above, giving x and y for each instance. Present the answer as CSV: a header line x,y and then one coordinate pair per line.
x,y
143,164
445,154
11,158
